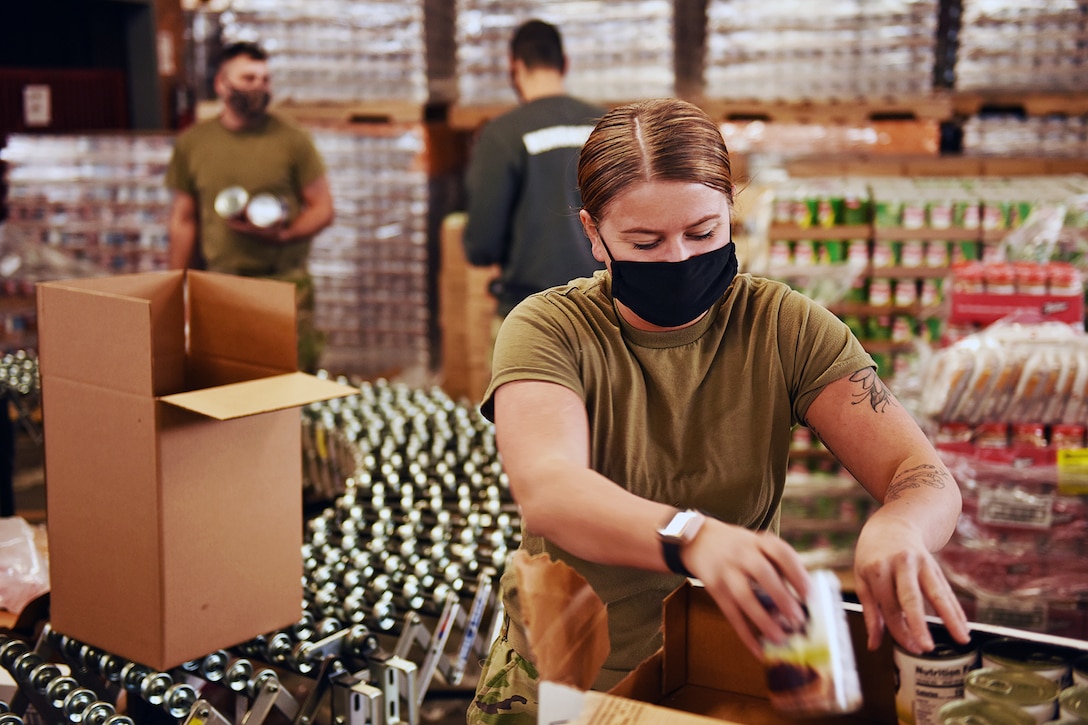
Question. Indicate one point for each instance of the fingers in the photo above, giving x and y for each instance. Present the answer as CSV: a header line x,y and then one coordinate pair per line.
x,y
870,610
758,588
945,604
894,596
740,624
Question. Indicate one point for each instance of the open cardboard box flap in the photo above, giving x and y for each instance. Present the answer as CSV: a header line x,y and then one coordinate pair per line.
x,y
189,381
226,402
702,673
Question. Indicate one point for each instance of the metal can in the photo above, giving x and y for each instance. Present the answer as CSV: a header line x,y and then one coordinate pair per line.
x,y
1019,654
912,253
982,712
814,671
1026,690
804,252
266,210
1073,702
1080,670
926,682
230,203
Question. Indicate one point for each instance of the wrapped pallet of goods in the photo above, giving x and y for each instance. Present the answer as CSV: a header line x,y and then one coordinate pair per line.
x,y
638,61
1007,406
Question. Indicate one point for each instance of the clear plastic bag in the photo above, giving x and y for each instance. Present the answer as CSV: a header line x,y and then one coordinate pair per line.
x,y
24,572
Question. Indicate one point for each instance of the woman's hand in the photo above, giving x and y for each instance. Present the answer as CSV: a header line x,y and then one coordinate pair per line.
x,y
897,578
732,562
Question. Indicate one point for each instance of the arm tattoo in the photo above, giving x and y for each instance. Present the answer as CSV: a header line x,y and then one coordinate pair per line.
x,y
872,390
924,475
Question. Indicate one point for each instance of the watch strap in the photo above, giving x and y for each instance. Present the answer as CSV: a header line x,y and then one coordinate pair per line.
x,y
671,551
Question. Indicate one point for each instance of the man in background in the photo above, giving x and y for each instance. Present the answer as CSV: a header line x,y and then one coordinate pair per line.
x,y
269,159
522,194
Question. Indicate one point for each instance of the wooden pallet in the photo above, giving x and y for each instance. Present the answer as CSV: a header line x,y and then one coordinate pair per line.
x,y
361,112
831,110
1024,103
472,117
333,113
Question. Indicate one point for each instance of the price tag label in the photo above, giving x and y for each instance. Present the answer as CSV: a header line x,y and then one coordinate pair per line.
x,y
1073,471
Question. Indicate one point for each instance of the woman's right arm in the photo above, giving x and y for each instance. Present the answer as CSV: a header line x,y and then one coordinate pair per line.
x,y
542,432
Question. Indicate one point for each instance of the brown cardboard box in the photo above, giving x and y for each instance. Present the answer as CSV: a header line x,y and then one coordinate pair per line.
x,y
466,315
173,460
704,670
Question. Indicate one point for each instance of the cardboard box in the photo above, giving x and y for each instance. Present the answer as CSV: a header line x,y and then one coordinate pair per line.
x,y
704,670
173,460
467,311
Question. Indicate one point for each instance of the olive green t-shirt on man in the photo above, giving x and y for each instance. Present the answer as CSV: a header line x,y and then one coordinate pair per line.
x,y
275,157
696,418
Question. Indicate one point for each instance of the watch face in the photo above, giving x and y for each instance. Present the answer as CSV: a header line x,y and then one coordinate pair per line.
x,y
675,528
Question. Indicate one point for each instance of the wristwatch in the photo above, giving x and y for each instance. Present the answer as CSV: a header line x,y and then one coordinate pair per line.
x,y
674,535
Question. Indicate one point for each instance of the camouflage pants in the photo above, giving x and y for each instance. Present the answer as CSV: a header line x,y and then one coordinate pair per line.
x,y
507,691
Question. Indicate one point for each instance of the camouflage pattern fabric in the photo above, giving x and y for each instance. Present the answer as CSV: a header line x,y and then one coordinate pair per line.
x,y
507,691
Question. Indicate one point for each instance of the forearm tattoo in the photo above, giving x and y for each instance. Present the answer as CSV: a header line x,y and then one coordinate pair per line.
x,y
871,390
917,477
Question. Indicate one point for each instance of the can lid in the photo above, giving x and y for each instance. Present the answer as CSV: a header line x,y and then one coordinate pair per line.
x,y
1017,687
1019,653
231,201
1074,701
982,712
944,648
265,210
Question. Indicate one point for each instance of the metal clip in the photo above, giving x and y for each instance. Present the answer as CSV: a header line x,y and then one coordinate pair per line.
x,y
204,714
399,682
356,702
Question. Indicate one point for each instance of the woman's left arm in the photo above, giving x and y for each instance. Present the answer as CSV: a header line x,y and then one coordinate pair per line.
x,y
877,440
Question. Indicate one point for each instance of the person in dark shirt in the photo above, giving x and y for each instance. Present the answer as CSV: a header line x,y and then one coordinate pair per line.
x,y
522,194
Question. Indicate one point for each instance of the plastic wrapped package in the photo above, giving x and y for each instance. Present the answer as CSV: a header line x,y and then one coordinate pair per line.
x,y
638,59
24,569
1010,372
791,49
340,51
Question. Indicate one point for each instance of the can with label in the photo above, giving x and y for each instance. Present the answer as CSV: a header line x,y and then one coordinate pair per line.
x,y
230,203
857,252
781,253
884,253
1073,702
937,254
1026,690
804,252
814,671
1011,653
926,682
912,253
982,712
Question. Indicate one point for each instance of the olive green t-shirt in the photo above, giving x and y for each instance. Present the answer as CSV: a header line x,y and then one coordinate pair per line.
x,y
695,418
276,157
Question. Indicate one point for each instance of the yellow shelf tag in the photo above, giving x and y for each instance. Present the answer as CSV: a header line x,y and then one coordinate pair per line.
x,y
1073,471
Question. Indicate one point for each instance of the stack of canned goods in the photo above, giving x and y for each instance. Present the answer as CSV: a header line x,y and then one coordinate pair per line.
x,y
422,505
1003,681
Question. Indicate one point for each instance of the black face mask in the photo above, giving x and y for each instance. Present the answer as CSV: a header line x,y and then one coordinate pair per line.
x,y
250,105
670,294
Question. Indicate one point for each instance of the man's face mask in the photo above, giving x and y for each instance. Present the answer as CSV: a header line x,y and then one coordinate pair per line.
x,y
670,294
250,105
